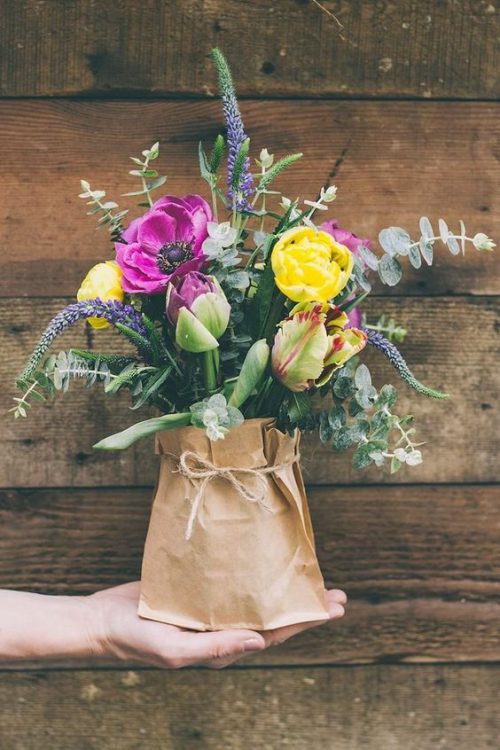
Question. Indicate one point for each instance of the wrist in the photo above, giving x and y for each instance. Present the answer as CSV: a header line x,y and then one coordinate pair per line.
x,y
36,626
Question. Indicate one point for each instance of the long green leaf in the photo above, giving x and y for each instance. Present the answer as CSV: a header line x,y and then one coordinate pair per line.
x,y
121,440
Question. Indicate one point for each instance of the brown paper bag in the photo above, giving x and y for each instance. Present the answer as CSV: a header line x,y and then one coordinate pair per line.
x,y
249,561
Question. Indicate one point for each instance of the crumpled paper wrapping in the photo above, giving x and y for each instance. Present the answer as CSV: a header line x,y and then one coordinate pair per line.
x,y
246,565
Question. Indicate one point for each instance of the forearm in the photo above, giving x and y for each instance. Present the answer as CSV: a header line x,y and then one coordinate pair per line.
x,y
33,626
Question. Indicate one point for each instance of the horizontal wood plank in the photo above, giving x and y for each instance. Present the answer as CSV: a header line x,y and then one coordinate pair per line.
x,y
409,48
452,345
392,162
342,709
419,564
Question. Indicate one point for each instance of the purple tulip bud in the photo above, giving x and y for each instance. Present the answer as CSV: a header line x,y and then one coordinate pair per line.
x,y
204,299
183,291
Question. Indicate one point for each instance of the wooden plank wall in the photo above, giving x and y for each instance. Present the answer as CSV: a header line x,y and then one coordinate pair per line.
x,y
399,109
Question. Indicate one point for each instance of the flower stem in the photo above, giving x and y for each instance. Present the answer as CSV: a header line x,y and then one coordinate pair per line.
x,y
210,367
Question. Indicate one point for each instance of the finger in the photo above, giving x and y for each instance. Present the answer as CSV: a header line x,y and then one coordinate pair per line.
x,y
336,595
335,611
219,646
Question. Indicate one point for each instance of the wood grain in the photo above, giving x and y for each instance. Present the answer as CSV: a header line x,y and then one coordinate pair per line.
x,y
337,709
419,564
392,162
283,48
452,345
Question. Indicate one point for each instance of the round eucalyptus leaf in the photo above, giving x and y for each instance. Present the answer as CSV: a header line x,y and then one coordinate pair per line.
x,y
390,270
427,251
453,245
426,228
415,257
394,241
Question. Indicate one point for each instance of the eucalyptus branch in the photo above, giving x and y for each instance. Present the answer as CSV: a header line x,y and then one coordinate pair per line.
x,y
150,178
94,198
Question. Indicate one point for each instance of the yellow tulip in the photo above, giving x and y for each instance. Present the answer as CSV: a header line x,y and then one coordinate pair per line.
x,y
102,281
310,266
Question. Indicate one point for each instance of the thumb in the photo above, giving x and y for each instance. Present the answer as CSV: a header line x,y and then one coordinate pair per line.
x,y
222,645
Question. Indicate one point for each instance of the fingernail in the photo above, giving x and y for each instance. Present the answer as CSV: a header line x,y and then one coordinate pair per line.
x,y
253,644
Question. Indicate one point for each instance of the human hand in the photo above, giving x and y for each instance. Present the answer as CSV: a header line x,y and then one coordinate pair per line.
x,y
122,634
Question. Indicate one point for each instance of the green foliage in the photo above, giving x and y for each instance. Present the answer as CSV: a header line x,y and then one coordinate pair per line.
x,y
150,177
126,438
239,164
215,416
388,327
268,177
217,154
142,344
396,242
94,198
361,416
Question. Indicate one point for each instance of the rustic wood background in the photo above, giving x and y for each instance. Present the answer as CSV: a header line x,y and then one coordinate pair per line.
x,y
401,114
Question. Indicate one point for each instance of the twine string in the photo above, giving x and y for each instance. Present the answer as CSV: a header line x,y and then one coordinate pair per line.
x,y
201,470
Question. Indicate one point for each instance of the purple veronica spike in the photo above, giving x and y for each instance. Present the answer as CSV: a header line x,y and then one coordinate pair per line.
x,y
398,362
114,312
235,133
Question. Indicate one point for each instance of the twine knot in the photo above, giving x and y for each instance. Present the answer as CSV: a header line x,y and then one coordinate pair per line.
x,y
192,466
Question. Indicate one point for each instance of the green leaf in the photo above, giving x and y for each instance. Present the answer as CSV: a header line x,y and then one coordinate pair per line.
x,y
135,192
387,396
362,377
337,417
252,372
153,385
216,155
426,228
299,407
156,183
343,439
204,165
395,465
395,241
427,251
362,456
415,257
390,270
453,245
126,438
343,387
275,170
139,341
369,258
325,429
239,164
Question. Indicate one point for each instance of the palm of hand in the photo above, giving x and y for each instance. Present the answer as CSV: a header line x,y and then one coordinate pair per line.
x,y
126,636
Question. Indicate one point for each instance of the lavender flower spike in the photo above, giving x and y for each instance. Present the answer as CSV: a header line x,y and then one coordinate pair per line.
x,y
114,312
235,133
397,360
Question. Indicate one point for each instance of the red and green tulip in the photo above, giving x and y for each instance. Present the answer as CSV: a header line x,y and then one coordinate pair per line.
x,y
311,344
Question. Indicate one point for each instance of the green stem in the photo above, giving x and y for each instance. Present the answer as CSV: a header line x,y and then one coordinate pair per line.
x,y
274,316
214,203
270,399
210,368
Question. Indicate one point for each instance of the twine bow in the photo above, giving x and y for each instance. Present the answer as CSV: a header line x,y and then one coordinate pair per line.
x,y
192,466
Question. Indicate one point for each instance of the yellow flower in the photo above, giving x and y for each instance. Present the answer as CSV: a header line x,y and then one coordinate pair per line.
x,y
310,266
103,281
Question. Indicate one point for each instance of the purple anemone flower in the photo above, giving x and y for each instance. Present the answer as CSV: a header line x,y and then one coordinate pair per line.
x,y
164,243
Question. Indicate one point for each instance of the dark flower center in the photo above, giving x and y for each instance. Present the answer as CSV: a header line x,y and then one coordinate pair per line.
x,y
172,255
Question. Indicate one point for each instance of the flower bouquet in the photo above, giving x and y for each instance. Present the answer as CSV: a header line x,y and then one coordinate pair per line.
x,y
243,315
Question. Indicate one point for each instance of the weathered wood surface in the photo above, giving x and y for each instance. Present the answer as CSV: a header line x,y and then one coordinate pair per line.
x,y
418,563
392,162
281,48
452,345
336,709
